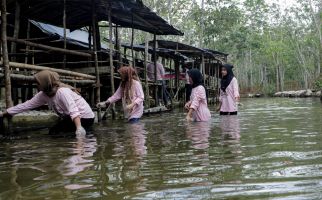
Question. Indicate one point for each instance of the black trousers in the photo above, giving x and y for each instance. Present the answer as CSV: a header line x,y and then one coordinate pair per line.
x,y
163,92
228,113
188,92
66,125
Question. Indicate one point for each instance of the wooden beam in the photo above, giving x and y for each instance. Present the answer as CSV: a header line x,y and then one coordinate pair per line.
x,y
46,47
40,68
21,77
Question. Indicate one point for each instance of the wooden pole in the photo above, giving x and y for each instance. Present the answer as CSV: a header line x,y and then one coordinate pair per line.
x,y
111,56
146,55
118,47
155,69
16,30
65,39
15,90
98,92
132,41
40,68
5,57
46,47
21,77
25,90
203,68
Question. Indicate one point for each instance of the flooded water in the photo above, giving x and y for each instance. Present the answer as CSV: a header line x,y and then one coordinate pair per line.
x,y
272,150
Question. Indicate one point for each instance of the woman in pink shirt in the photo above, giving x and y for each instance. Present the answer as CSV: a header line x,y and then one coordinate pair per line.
x,y
229,91
74,111
197,106
131,93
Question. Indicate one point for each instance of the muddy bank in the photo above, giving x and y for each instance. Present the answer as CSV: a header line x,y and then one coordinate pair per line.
x,y
298,94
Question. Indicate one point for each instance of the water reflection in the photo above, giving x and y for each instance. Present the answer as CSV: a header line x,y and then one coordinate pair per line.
x,y
83,150
198,133
230,127
137,135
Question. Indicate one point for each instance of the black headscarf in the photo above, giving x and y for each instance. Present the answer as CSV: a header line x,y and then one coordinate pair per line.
x,y
197,79
225,80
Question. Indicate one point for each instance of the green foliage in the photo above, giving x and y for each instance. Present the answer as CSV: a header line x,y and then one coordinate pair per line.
x,y
268,45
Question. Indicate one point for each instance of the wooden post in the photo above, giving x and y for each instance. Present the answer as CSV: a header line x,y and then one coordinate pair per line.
x,y
132,41
111,56
65,39
177,71
5,57
146,55
25,90
118,47
155,69
98,92
203,68
46,47
16,30
15,90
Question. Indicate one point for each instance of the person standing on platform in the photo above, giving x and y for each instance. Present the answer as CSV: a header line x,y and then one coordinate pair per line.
x,y
160,72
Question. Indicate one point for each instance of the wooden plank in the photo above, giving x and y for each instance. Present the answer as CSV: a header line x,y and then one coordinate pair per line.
x,y
46,47
21,77
40,68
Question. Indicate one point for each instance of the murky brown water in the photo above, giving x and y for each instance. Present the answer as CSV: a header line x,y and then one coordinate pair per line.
x,y
272,150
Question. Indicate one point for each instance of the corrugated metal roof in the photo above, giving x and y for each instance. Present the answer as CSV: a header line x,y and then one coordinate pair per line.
x,y
125,13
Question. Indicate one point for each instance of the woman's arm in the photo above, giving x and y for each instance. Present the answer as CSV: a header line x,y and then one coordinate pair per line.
x,y
116,96
199,95
38,100
236,89
138,95
189,115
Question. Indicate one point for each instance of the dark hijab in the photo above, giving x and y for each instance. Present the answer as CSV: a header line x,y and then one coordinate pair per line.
x,y
225,80
197,79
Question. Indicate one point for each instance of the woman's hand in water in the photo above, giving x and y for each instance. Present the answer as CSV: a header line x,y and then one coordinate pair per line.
x,y
80,132
189,118
130,106
187,106
102,104
189,115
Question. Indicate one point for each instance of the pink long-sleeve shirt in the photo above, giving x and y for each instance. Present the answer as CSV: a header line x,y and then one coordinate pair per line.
x,y
137,97
228,98
198,102
64,103
160,71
